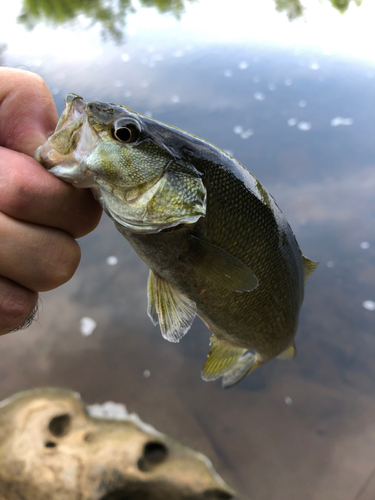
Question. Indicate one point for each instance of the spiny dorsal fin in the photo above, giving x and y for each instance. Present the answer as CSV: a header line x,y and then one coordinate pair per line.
x,y
219,266
244,366
309,267
172,309
289,353
220,358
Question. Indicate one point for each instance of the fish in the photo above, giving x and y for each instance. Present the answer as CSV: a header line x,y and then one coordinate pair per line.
x,y
216,242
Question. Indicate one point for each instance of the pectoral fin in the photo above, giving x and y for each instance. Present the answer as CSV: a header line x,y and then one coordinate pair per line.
x,y
166,305
220,358
308,267
219,266
244,366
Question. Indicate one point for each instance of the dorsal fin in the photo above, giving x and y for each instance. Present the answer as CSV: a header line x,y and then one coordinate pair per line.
x,y
289,353
309,267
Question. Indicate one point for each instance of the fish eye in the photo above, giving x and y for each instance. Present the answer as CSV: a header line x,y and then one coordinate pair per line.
x,y
125,132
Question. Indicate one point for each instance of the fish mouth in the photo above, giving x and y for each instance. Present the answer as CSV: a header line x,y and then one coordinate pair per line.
x,y
67,134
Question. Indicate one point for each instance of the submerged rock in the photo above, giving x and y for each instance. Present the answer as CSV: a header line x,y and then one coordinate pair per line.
x,y
54,446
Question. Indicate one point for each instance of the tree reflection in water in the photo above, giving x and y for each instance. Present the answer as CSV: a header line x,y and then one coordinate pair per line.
x,y
295,8
110,14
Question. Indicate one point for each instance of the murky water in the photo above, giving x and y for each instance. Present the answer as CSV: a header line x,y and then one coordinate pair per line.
x,y
296,107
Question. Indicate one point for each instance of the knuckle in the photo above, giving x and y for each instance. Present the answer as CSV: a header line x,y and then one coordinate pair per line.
x,y
61,260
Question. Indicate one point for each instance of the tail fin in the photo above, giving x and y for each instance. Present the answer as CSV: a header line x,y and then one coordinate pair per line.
x,y
245,365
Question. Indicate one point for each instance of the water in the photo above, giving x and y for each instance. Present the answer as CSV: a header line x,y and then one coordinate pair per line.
x,y
294,103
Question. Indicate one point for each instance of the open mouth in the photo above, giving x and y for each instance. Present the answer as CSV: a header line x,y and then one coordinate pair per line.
x,y
67,133
75,107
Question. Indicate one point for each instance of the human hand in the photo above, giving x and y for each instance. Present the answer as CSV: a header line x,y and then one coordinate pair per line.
x,y
40,216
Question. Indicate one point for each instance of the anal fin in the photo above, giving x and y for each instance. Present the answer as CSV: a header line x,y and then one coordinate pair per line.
x,y
220,358
166,305
244,366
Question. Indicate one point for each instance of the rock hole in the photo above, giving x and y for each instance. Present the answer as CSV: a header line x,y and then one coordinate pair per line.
x,y
89,437
59,426
154,453
50,444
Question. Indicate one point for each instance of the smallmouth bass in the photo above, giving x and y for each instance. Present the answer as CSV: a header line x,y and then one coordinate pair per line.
x,y
215,241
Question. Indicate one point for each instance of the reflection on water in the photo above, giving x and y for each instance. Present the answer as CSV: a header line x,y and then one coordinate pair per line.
x,y
292,430
110,15
295,8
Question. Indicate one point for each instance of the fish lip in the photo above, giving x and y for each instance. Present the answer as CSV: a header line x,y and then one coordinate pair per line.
x,y
75,107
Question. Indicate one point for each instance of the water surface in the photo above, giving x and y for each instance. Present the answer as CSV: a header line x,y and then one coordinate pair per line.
x,y
295,104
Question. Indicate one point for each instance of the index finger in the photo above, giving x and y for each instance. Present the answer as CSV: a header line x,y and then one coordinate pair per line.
x,y
28,113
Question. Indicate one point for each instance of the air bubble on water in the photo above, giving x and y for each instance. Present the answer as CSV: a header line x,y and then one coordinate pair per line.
x,y
238,129
125,57
158,57
339,120
302,104
148,113
144,84
151,64
175,99
259,96
55,90
369,305
304,126
146,373
292,121
288,82
127,93
178,53
248,133
256,79
87,326
272,87
228,73
243,65
365,245
288,400
330,263
112,260
118,83
229,152
314,66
